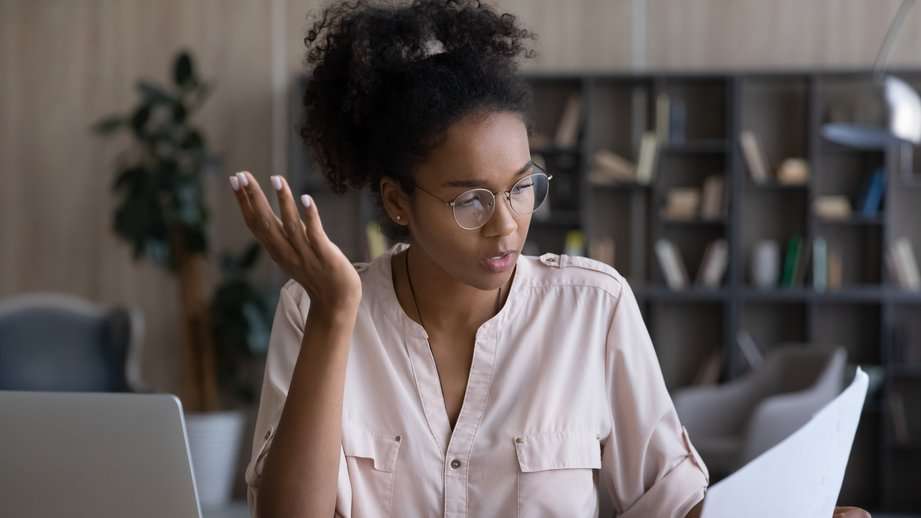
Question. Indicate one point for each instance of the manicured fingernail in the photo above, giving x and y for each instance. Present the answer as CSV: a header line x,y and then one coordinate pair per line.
x,y
244,181
234,183
305,200
276,181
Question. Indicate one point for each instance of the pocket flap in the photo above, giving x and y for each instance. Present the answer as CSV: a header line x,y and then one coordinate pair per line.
x,y
358,441
558,450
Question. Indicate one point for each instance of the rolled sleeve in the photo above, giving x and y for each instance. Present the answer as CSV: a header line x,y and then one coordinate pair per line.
x,y
649,466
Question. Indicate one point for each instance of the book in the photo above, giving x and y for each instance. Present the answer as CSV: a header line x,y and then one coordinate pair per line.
x,y
714,263
603,249
802,266
790,260
907,264
677,121
750,350
575,243
567,131
662,117
709,372
819,264
835,270
711,206
793,171
673,269
754,159
832,207
870,200
377,242
609,168
646,164
900,431
893,266
682,203
638,115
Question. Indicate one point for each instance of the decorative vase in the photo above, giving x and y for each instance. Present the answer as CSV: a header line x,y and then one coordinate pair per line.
x,y
765,265
214,444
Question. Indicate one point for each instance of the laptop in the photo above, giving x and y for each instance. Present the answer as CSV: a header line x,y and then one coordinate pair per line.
x,y
99,455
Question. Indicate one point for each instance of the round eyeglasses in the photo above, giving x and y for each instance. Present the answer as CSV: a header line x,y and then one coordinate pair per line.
x,y
473,208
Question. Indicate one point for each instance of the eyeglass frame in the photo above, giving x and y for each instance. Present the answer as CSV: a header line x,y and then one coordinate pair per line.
x,y
508,196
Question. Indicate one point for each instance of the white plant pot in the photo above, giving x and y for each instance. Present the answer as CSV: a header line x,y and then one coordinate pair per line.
x,y
214,444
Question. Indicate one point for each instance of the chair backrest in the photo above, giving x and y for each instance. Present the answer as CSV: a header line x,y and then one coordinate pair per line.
x,y
54,342
797,367
802,381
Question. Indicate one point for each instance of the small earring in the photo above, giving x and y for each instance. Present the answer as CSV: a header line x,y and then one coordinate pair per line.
x,y
398,218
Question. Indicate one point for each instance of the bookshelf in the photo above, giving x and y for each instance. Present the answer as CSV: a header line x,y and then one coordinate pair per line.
x,y
864,311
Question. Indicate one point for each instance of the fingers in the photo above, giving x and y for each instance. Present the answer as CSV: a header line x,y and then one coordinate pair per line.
x,y
313,225
291,219
261,219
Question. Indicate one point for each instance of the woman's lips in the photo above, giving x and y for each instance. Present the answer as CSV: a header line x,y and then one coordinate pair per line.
x,y
499,265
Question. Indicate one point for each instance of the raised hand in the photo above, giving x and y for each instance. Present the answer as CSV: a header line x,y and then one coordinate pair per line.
x,y
300,247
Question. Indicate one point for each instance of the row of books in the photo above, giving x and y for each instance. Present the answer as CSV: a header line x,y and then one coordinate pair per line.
x,y
827,269
792,171
868,203
827,265
566,134
903,265
609,168
689,203
710,273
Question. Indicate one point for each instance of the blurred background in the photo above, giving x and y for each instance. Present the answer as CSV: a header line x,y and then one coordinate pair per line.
x,y
748,165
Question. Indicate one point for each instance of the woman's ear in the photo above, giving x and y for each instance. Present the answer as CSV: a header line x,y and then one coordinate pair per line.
x,y
396,203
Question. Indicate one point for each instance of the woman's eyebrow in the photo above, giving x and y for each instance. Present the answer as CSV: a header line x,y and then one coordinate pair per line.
x,y
478,183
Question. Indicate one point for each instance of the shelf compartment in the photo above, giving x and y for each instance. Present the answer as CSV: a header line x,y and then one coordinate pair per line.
x,y
856,327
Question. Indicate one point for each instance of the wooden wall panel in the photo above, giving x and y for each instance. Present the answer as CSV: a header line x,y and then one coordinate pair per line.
x,y
65,63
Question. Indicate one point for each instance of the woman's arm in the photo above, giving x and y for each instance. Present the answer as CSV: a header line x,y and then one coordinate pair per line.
x,y
299,475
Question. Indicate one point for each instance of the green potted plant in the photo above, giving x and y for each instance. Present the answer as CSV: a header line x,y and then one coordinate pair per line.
x,y
161,213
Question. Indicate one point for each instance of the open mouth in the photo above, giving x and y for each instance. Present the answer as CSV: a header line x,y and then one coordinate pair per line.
x,y
499,263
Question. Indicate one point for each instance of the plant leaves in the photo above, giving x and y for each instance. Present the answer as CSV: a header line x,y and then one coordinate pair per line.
x,y
184,71
108,125
250,256
139,120
154,93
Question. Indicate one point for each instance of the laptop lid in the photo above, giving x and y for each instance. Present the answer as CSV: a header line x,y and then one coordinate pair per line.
x,y
98,455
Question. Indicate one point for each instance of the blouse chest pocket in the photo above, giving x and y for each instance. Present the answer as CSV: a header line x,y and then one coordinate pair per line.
x,y
371,459
557,474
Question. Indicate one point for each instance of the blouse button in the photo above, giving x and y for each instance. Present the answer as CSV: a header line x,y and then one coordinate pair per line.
x,y
455,464
397,438
519,440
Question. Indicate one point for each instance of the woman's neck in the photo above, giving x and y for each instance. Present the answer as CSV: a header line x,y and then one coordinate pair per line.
x,y
446,304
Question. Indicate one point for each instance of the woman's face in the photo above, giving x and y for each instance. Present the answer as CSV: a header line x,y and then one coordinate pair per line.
x,y
478,151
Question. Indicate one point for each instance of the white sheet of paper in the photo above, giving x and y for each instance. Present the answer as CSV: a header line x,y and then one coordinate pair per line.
x,y
802,475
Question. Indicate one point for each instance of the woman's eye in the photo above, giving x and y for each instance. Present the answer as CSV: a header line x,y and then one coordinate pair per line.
x,y
520,188
467,202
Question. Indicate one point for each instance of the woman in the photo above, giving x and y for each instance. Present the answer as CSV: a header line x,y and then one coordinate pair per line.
x,y
450,376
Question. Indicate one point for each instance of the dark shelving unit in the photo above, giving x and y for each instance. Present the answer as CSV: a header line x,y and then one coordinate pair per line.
x,y
786,110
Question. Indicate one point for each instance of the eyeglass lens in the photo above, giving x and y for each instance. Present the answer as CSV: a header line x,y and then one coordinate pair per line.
x,y
473,208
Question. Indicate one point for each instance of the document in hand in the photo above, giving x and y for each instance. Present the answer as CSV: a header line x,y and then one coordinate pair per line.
x,y
802,475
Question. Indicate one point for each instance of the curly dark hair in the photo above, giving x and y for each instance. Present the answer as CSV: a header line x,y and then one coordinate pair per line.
x,y
379,100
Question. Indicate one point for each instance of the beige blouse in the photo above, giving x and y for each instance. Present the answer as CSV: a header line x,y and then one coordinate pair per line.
x,y
565,412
